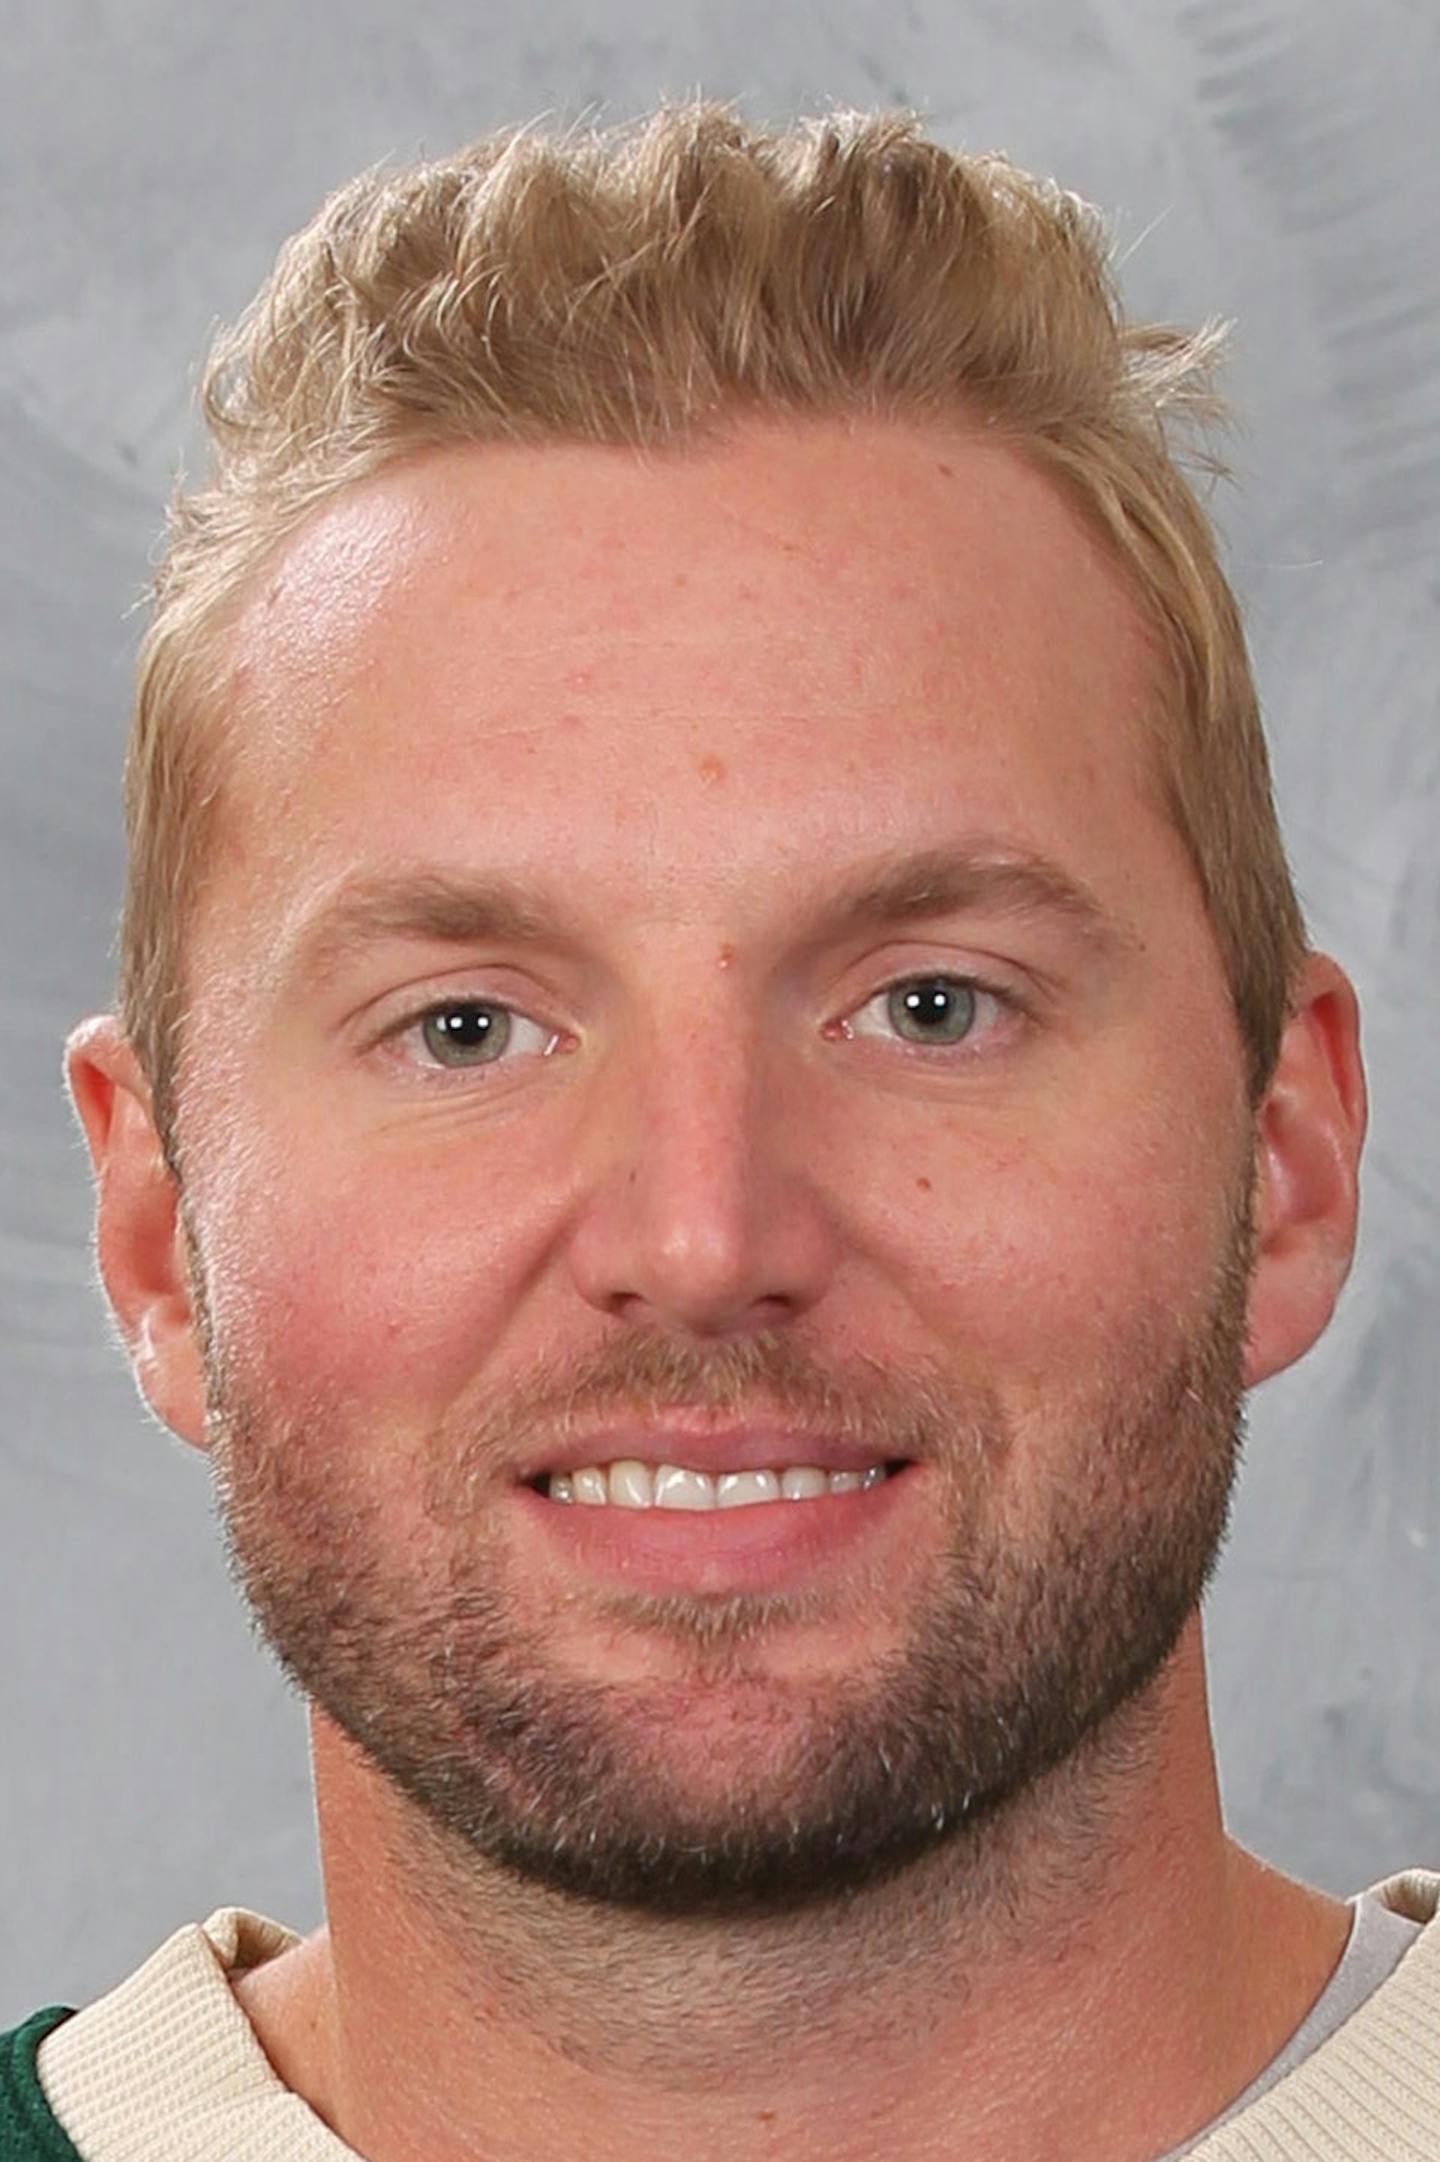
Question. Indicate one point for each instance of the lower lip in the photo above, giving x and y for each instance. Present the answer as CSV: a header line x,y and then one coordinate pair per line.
x,y
761,1546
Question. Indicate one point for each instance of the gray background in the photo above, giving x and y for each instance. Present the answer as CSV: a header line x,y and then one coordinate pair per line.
x,y
1275,163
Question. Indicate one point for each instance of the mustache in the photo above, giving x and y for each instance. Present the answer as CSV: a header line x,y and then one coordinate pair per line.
x,y
763,1378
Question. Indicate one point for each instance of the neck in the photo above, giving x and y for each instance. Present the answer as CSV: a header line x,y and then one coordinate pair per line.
x,y
986,1996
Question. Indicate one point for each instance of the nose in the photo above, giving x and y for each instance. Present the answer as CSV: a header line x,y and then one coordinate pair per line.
x,y
701,1208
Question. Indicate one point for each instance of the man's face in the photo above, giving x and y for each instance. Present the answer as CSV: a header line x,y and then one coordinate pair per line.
x,y
683,1155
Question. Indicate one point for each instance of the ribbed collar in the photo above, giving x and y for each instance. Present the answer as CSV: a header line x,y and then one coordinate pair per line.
x,y
167,2068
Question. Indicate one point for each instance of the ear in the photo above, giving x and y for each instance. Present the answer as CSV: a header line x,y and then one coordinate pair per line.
x,y
1309,1133
139,1237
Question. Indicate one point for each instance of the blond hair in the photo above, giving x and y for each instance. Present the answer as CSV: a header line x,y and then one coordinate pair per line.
x,y
643,286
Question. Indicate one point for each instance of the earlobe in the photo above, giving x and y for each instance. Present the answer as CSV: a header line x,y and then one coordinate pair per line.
x,y
139,1237
1309,1133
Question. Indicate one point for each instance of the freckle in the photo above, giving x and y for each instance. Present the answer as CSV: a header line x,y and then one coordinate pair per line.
x,y
712,769
947,470
727,955
924,1185
682,578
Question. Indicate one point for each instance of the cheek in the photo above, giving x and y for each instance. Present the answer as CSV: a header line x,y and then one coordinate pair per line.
x,y
1057,1247
383,1288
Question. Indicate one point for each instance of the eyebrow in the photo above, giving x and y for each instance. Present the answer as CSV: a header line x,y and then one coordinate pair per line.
x,y
966,878
998,879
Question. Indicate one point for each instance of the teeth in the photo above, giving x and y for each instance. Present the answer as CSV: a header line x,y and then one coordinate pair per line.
x,y
802,1482
676,1488
632,1485
733,1489
629,1484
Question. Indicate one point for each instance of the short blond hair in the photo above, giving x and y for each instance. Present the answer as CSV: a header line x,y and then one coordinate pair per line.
x,y
645,285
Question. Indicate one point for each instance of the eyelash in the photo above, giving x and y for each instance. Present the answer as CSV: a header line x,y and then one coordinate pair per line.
x,y
1010,1005
1007,1001
413,1025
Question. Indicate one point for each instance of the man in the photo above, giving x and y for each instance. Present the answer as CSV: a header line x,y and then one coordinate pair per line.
x,y
707,936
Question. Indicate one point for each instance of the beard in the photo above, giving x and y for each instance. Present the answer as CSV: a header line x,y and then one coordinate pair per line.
x,y
1078,1539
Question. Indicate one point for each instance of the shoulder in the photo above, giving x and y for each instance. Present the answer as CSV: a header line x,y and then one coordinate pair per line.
x,y
29,2129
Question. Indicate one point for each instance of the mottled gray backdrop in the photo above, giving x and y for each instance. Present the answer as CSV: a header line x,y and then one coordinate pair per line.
x,y
1273,161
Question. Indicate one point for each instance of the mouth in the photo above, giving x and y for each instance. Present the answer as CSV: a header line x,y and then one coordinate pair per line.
x,y
631,1483
673,1528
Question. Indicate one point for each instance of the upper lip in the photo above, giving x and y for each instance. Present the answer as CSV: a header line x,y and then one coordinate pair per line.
x,y
753,1447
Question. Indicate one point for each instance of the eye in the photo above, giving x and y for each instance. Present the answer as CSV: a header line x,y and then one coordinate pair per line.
x,y
464,1032
930,1010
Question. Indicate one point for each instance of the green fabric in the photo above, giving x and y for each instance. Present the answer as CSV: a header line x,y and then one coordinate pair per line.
x,y
29,2129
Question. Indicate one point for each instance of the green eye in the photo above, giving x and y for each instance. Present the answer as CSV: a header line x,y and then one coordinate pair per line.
x,y
465,1033
932,1009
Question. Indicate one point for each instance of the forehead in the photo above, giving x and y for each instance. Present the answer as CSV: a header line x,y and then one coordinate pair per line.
x,y
522,643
